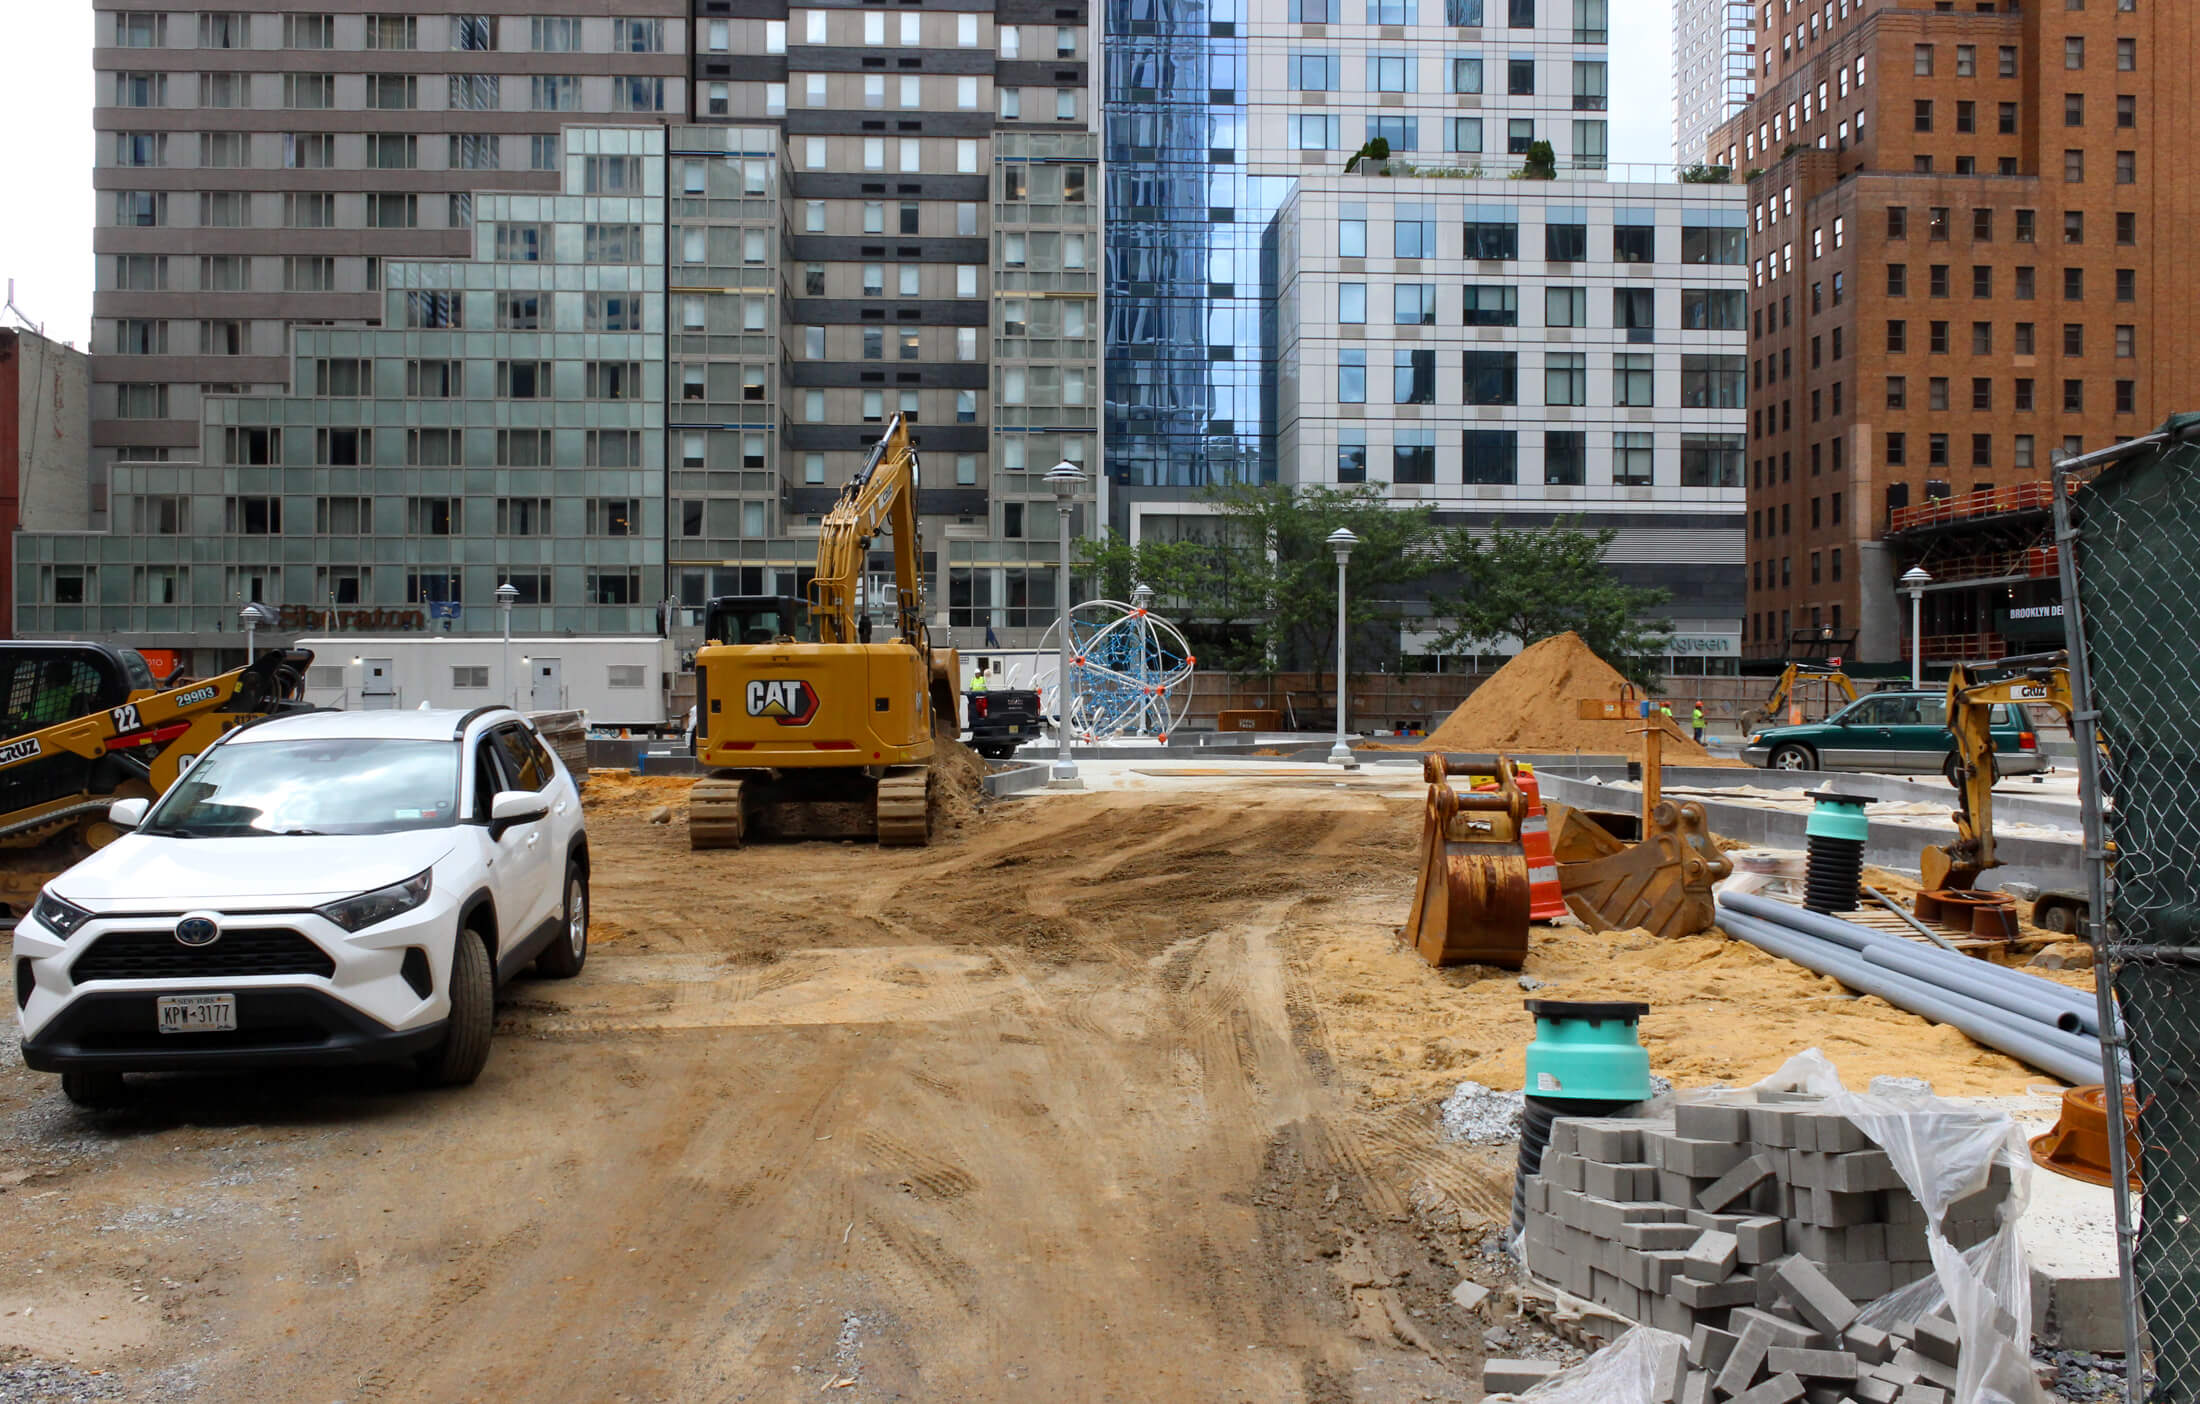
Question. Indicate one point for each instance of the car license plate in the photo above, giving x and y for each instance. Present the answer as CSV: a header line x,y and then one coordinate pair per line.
x,y
197,1013
1014,730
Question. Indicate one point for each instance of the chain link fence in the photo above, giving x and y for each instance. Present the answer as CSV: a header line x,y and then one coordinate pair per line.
x,y
2128,523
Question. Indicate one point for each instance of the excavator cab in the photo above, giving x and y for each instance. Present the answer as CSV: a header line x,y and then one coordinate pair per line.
x,y
758,619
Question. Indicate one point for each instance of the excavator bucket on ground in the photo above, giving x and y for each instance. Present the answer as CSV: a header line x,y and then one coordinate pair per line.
x,y
1471,902
1661,882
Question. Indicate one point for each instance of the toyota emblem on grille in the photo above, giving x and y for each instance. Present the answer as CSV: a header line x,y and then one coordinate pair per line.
x,y
198,931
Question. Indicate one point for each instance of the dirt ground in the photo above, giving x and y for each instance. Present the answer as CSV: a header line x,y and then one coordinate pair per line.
x,y
1106,1096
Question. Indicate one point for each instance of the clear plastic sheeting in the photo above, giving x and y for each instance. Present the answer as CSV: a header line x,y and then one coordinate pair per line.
x,y
1945,1151
1624,1372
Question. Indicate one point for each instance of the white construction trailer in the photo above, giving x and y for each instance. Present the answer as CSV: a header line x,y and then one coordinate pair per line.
x,y
618,681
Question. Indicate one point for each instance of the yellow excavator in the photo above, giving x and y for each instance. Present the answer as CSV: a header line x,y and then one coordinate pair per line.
x,y
807,726
2037,679
84,724
1774,712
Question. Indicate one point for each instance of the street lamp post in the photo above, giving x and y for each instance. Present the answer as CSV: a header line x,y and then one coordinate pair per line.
x,y
252,616
507,596
1342,541
1914,580
1065,479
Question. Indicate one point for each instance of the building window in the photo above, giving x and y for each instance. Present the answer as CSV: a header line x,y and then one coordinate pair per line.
x,y
1633,458
1634,380
1492,377
1352,304
1488,304
1413,377
1352,376
1413,455
1564,306
1488,240
1490,457
1352,456
1565,378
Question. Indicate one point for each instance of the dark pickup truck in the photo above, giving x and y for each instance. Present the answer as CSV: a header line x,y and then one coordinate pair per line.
x,y
1001,720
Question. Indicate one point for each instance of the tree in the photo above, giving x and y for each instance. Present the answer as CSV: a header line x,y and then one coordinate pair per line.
x,y
1375,153
1541,162
1209,588
1287,563
1528,584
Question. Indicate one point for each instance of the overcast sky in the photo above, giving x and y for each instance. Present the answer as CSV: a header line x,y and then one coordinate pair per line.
x,y
46,162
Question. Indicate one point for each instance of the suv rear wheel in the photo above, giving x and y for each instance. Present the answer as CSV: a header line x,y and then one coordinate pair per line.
x,y
562,959
465,1047
1793,757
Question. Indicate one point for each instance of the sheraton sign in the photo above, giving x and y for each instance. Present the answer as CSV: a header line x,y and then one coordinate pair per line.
x,y
304,617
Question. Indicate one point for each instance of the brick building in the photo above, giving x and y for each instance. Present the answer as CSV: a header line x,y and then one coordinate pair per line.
x,y
1959,218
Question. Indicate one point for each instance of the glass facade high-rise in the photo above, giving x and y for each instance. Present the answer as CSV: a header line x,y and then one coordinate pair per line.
x,y
1190,297
1482,330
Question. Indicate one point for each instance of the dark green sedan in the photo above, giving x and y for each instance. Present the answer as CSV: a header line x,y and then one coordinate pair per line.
x,y
1892,733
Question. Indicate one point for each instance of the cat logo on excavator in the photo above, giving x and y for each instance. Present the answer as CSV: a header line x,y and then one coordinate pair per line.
x,y
788,701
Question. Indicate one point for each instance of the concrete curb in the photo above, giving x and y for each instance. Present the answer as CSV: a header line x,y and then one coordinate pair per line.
x,y
2012,801
1893,843
1023,779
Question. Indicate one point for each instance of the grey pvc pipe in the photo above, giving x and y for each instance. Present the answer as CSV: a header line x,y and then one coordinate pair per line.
x,y
1955,969
1853,962
2074,1061
2047,1011
1956,975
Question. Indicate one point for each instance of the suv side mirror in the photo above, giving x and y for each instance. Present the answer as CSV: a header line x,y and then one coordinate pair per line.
x,y
516,807
128,813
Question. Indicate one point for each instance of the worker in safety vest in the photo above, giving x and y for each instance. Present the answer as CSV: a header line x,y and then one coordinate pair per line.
x,y
1665,714
1697,721
977,682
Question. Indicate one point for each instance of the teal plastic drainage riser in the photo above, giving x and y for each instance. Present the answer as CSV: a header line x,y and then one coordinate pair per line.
x,y
1585,1050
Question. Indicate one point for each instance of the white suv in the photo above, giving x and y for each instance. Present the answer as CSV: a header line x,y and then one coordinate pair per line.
x,y
332,887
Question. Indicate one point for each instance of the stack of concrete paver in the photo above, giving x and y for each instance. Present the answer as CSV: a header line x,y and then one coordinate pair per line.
x,y
1752,1228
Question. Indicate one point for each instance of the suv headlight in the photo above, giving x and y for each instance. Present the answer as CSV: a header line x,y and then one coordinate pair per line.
x,y
60,917
1757,739
360,912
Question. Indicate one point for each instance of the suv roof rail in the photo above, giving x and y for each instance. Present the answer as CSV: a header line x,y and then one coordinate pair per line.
x,y
458,732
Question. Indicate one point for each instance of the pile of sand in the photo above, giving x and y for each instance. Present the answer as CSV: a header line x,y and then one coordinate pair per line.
x,y
961,784
1720,1011
1533,704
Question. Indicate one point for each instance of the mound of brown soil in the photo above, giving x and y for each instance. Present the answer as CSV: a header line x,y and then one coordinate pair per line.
x,y
961,785
1533,704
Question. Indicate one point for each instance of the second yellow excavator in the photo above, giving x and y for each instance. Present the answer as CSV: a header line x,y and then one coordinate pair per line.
x,y
807,726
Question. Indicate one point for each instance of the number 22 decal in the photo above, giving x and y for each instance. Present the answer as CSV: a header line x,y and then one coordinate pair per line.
x,y
126,717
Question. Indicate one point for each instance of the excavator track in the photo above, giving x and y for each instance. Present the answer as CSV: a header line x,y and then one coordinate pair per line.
x,y
905,802
714,813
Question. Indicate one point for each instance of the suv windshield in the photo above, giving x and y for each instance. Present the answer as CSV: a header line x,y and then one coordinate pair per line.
x,y
328,786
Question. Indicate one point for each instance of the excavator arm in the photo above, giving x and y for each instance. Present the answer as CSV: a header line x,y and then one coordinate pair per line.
x,y
882,496
1775,707
1973,693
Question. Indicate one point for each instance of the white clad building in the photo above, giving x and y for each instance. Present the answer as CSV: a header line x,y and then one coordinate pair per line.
x,y
1517,345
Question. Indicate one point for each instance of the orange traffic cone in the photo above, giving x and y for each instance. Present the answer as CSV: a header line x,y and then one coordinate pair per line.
x,y
1545,900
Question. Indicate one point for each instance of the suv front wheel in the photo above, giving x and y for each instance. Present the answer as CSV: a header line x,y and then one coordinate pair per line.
x,y
465,1049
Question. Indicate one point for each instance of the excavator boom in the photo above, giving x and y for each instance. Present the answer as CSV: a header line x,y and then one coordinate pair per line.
x,y
2041,679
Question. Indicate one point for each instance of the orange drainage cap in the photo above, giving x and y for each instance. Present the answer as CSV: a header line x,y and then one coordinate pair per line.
x,y
2078,1146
